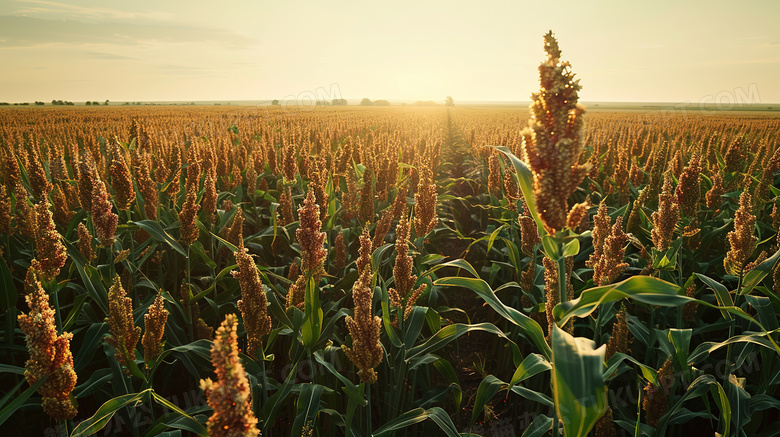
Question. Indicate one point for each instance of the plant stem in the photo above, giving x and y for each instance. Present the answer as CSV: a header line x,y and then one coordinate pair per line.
x,y
562,279
368,410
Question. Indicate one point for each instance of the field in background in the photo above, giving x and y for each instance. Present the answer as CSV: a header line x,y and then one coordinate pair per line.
x,y
465,301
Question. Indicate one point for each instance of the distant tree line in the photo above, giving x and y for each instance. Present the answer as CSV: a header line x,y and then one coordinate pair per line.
x,y
96,103
368,102
60,102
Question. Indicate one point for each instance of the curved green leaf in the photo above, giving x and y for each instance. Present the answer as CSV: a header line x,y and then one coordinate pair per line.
x,y
579,392
158,233
529,326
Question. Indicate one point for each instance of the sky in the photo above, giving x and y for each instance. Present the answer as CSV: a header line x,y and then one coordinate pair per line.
x,y
185,50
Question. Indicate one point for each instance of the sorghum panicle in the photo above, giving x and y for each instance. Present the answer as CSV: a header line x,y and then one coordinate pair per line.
x,y
229,396
85,242
364,258
49,249
610,264
689,309
121,181
340,252
5,211
86,182
382,228
554,138
310,236
494,176
103,218
364,327
402,295
367,197
37,175
208,203
600,232
154,328
714,194
234,233
688,191
741,240
286,208
578,215
188,216
50,354
665,219
124,334
621,336
655,399
148,189
529,234
425,199
253,304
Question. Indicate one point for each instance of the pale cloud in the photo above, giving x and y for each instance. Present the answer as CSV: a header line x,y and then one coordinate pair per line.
x,y
16,31
76,11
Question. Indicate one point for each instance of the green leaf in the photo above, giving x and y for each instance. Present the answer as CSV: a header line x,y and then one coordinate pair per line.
x,y
539,427
645,289
450,333
579,392
533,364
105,413
312,325
158,233
698,388
182,419
755,276
552,247
8,295
17,403
436,414
571,248
525,181
528,326
99,297
681,340
308,406
488,388
349,388
721,294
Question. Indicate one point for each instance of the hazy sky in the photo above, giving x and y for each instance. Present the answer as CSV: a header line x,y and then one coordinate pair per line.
x,y
141,50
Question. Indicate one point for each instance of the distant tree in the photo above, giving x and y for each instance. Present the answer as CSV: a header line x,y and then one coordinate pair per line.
x,y
322,103
105,103
39,103
365,102
448,101
339,102
275,102
89,103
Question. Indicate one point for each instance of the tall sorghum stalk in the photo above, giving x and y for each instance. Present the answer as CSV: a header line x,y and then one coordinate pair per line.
x,y
229,396
124,334
665,219
253,304
50,355
742,242
554,138
49,250
364,327
103,218
425,199
154,328
402,296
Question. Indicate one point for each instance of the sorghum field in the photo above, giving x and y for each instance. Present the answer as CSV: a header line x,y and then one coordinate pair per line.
x,y
390,271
